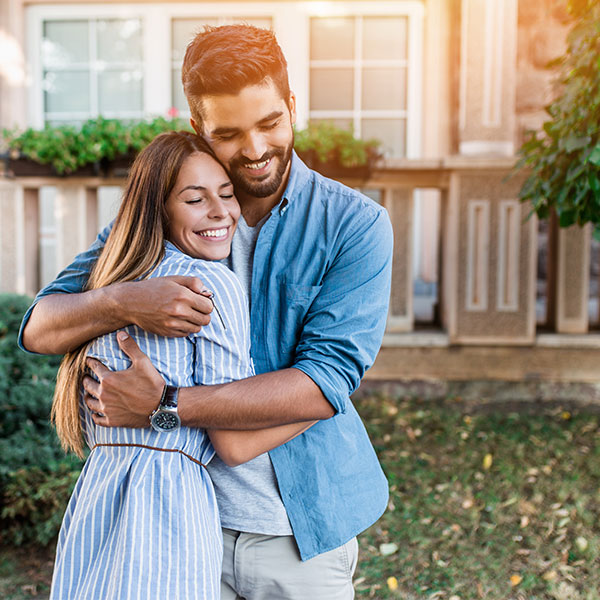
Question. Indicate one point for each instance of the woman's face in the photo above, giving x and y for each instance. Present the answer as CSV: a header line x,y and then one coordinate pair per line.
x,y
202,210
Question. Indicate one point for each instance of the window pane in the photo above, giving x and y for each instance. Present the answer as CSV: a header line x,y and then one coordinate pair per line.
x,y
66,91
120,40
120,91
385,37
332,38
64,43
182,33
262,22
390,132
384,88
178,100
331,89
341,123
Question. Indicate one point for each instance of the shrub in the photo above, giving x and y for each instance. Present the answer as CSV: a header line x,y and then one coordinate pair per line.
x,y
565,157
30,454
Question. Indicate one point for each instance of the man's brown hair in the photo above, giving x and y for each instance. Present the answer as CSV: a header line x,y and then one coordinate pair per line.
x,y
226,59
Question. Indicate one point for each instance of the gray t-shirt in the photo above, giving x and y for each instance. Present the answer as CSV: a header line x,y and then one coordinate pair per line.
x,y
248,495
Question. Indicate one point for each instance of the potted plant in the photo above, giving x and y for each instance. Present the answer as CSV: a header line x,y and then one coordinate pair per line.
x,y
99,147
335,152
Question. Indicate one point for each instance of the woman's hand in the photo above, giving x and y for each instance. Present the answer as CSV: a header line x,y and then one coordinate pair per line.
x,y
123,398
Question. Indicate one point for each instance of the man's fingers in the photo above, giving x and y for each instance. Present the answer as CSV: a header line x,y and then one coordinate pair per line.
x,y
192,283
92,389
129,346
97,367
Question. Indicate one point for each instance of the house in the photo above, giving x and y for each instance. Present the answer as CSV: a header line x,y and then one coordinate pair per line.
x,y
448,86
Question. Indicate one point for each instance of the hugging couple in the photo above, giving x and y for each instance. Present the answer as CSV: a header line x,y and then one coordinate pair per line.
x,y
210,373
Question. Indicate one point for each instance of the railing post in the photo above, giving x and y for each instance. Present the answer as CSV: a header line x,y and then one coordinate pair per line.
x,y
31,210
399,203
489,262
72,234
19,239
570,278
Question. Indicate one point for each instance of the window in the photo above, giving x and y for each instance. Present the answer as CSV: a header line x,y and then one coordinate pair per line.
x,y
183,31
353,62
358,76
92,67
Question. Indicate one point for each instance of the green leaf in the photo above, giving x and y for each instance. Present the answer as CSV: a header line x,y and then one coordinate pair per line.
x,y
567,218
594,157
574,142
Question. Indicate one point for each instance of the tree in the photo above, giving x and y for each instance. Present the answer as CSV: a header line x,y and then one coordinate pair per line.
x,y
564,158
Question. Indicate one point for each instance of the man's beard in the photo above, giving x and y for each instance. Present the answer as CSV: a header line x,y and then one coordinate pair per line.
x,y
261,189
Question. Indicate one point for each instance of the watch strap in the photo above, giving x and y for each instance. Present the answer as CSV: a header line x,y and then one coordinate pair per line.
x,y
169,397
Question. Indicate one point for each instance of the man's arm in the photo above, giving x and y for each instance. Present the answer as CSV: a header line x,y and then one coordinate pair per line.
x,y
63,317
126,398
341,336
170,306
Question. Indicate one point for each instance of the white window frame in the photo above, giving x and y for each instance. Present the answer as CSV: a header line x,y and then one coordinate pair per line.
x,y
291,23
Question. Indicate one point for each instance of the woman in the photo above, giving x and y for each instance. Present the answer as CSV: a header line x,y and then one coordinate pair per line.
x,y
142,521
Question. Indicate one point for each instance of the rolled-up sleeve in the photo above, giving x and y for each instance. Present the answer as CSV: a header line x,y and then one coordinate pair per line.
x,y
344,326
70,280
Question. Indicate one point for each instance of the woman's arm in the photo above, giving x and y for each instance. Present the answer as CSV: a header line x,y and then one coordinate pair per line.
x,y
235,447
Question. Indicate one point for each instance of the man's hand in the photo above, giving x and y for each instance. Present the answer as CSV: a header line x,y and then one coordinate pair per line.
x,y
123,398
172,306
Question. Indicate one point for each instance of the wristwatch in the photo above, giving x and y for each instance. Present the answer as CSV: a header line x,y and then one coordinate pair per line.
x,y
165,418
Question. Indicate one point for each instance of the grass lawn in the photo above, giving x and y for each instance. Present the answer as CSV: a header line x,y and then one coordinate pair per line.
x,y
489,505
496,505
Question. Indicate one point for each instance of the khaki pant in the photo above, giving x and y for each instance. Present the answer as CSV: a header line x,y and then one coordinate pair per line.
x,y
264,567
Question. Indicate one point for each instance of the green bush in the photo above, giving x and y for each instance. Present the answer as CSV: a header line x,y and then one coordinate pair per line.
x,y
68,148
564,158
333,144
30,454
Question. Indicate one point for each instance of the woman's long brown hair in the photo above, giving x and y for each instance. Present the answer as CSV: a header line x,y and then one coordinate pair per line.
x,y
133,249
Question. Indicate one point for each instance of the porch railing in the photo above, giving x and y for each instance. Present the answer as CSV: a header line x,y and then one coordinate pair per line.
x,y
487,285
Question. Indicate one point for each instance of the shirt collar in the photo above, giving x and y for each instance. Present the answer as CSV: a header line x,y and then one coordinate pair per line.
x,y
299,177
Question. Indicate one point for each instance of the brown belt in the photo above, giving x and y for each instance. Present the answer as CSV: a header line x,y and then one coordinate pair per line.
x,y
150,448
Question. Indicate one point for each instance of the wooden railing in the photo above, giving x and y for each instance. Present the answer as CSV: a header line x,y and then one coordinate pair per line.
x,y
486,289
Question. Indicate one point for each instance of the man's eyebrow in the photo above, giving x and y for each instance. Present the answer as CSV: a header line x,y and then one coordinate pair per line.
x,y
202,188
225,130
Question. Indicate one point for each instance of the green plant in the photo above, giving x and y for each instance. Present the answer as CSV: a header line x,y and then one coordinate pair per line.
x,y
564,159
67,148
29,449
34,504
331,143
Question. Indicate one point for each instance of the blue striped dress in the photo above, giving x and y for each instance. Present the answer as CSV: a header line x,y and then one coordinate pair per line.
x,y
143,523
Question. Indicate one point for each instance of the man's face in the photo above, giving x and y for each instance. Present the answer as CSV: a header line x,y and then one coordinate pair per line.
x,y
251,134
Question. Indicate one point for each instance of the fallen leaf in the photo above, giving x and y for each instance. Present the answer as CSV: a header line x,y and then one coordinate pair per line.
x,y
392,583
387,549
487,461
515,580
581,543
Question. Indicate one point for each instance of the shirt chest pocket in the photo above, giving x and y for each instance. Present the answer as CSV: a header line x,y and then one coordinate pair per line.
x,y
295,301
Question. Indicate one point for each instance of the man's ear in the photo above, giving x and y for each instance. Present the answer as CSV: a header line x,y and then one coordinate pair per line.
x,y
292,105
195,127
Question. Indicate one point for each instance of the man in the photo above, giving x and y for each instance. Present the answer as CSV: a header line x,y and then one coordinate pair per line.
x,y
315,257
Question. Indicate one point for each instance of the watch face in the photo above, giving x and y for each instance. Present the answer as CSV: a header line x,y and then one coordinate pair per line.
x,y
165,421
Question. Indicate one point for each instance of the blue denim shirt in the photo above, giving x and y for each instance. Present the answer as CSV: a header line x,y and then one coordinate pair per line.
x,y
320,293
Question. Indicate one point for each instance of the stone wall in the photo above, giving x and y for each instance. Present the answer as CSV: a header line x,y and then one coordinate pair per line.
x,y
542,29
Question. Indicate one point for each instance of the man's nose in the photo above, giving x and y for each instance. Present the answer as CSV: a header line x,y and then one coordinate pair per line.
x,y
254,146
